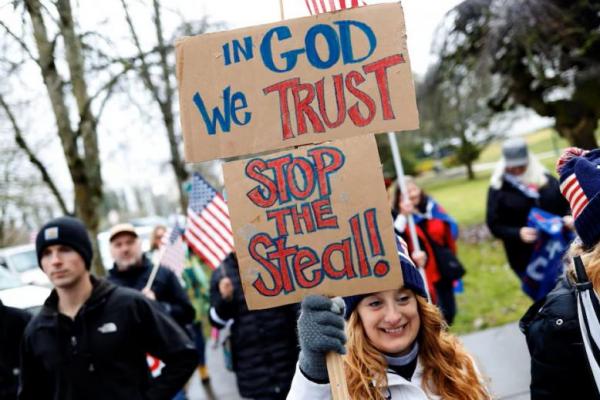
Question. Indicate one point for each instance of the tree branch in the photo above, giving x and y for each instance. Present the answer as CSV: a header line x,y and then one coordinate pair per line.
x,y
32,157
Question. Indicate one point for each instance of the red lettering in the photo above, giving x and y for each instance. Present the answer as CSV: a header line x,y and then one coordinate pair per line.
x,y
279,216
259,284
354,111
254,171
363,263
347,268
373,232
281,88
306,169
278,167
323,169
380,69
321,209
306,258
304,215
303,108
281,254
340,101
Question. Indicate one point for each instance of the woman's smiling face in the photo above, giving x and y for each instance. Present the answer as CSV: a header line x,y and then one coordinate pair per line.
x,y
391,320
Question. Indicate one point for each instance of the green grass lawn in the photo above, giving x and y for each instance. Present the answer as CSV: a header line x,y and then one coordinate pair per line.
x,y
492,293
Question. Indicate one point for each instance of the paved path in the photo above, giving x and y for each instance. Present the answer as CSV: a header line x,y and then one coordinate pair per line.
x,y
503,357
500,352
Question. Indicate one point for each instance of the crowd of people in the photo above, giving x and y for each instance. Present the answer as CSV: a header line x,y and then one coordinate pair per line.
x,y
93,336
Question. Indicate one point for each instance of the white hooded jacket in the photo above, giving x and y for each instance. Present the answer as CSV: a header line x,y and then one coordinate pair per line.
x,y
398,387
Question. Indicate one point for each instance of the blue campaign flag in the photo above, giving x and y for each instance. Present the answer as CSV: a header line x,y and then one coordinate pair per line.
x,y
545,265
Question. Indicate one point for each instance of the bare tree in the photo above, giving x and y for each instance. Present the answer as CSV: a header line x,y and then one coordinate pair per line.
x,y
80,144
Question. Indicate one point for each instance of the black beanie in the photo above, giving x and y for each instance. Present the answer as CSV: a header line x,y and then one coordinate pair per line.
x,y
68,231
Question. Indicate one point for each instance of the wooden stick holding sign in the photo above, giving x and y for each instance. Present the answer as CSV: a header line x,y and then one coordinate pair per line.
x,y
335,363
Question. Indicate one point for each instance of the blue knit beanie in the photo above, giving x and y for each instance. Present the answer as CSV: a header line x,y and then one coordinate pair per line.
x,y
579,172
411,276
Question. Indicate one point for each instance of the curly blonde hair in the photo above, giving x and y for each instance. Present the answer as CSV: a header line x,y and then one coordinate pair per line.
x,y
448,371
591,261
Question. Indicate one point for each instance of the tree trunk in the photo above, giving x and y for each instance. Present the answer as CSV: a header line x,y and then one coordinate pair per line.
x,y
470,171
84,167
88,186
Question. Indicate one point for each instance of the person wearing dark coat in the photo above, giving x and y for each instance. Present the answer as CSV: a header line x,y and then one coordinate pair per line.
x,y
132,269
91,338
518,184
12,325
264,345
560,365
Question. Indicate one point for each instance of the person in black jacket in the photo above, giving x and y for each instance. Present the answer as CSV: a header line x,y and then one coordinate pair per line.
x,y
264,345
12,325
518,184
560,368
132,269
91,338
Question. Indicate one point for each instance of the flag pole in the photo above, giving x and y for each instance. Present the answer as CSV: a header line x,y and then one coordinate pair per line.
x,y
404,192
155,266
281,16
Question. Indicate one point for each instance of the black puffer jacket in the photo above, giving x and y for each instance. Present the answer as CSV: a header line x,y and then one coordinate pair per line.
x,y
264,343
559,366
101,353
507,212
169,292
12,325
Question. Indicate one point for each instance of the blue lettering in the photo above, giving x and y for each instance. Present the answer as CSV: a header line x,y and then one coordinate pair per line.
x,y
266,50
346,40
310,41
231,105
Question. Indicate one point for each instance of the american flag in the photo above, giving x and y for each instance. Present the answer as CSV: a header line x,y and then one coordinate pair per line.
x,y
173,251
208,229
322,6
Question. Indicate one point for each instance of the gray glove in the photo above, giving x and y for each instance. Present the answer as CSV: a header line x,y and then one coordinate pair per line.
x,y
320,330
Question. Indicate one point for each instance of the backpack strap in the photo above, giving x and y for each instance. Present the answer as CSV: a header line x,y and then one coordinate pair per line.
x,y
588,317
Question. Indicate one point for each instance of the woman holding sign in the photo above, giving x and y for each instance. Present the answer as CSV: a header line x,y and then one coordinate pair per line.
x,y
395,343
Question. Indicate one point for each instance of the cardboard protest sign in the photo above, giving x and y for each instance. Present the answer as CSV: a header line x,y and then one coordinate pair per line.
x,y
312,220
295,82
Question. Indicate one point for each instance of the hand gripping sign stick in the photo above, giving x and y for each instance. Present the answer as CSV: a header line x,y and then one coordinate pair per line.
x,y
404,192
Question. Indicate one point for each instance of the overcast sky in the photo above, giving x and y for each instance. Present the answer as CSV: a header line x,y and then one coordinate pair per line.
x,y
422,17
131,151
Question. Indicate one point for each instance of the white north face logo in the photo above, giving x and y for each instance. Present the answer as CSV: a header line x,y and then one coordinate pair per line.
x,y
108,327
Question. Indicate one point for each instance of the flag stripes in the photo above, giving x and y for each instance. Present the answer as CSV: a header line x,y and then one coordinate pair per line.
x,y
574,194
208,230
322,6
